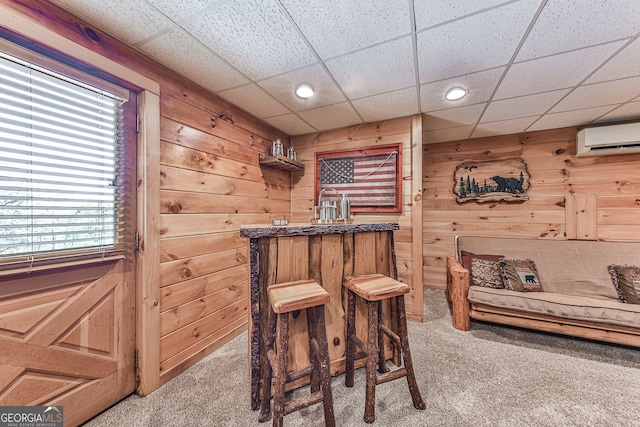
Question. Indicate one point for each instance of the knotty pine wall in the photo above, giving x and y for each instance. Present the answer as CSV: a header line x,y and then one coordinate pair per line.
x,y
407,130
557,179
210,182
210,185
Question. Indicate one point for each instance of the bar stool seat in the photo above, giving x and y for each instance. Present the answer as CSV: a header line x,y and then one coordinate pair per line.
x,y
373,289
285,298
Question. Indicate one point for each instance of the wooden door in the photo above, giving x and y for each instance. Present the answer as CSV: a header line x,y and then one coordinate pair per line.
x,y
72,343
68,334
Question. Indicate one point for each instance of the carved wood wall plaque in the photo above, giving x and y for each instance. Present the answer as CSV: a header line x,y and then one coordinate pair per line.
x,y
491,180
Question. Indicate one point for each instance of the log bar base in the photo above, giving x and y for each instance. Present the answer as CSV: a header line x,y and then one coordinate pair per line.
x,y
326,254
284,299
374,288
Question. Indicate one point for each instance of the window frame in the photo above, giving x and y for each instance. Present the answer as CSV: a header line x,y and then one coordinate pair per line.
x,y
74,69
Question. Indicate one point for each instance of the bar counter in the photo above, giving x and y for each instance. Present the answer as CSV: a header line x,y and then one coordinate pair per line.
x,y
326,253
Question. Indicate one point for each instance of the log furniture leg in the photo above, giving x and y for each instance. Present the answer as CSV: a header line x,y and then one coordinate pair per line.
x,y
373,289
457,291
285,298
372,358
350,341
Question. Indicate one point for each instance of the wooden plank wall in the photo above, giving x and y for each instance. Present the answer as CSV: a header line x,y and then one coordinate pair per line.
x,y
556,175
387,132
211,183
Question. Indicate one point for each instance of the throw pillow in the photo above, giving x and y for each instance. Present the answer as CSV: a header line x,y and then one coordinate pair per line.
x,y
466,257
635,279
626,280
486,273
520,275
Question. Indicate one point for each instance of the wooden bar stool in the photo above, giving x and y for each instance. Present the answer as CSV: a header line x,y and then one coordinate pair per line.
x,y
285,298
373,289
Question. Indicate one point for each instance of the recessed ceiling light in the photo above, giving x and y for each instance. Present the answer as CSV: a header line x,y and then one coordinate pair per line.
x,y
455,94
304,91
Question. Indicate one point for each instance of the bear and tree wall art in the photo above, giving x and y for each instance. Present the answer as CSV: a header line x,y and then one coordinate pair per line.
x,y
491,180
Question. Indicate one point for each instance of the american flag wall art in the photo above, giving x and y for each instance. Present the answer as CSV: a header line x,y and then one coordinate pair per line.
x,y
368,180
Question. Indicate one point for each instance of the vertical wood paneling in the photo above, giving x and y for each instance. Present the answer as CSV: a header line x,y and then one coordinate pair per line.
x,y
569,197
581,220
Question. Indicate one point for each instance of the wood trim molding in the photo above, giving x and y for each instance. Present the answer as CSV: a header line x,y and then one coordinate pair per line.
x,y
416,217
148,277
14,19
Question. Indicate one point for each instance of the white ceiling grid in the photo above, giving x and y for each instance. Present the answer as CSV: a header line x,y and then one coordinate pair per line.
x,y
527,64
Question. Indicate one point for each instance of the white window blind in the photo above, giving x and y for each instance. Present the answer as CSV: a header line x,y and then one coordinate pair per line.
x,y
60,158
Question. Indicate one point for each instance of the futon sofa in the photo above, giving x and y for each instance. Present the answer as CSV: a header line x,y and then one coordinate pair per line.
x,y
573,287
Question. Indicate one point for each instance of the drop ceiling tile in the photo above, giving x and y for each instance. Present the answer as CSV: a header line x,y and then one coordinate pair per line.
x,y
180,52
389,105
568,25
290,124
434,12
624,112
503,127
568,118
331,117
483,41
179,10
480,86
525,106
444,135
341,26
379,69
142,20
283,88
255,101
600,94
453,117
254,36
624,64
560,71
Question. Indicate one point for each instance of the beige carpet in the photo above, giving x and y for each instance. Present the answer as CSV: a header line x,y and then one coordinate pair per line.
x,y
490,376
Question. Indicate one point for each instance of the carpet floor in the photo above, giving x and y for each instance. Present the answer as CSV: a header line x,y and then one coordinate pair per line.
x,y
490,376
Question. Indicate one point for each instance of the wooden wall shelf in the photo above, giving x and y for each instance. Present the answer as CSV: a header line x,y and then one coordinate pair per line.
x,y
279,162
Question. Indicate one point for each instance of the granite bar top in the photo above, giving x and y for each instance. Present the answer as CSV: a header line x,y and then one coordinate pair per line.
x,y
258,231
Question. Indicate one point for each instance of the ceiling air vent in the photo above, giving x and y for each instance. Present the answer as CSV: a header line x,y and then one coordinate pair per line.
x,y
608,140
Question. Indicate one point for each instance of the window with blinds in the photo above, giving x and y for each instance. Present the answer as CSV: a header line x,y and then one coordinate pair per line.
x,y
60,162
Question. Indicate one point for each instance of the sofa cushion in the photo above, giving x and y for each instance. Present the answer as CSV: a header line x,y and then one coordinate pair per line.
x,y
626,280
466,257
520,275
576,267
565,306
485,273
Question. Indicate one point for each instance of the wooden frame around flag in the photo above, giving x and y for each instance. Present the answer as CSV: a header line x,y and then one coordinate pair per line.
x,y
370,176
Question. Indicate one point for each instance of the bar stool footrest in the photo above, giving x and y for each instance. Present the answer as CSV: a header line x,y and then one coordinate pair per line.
x,y
390,376
392,335
303,402
300,373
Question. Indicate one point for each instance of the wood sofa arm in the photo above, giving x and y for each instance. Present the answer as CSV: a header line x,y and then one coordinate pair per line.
x,y
458,293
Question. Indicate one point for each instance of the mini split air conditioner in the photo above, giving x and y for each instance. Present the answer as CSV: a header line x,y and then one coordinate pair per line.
x,y
607,140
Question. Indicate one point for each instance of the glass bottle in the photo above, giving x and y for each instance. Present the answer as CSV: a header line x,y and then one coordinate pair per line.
x,y
345,207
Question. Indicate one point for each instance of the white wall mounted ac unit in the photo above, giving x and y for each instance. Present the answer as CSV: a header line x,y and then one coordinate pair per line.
x,y
607,140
